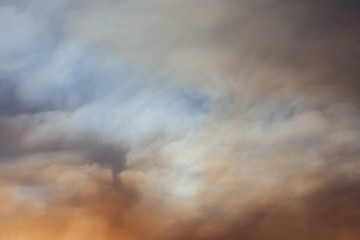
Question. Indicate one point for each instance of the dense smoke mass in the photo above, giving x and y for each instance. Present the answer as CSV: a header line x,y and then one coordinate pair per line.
x,y
179,119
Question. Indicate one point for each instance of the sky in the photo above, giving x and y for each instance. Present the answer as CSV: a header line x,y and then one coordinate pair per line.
x,y
179,119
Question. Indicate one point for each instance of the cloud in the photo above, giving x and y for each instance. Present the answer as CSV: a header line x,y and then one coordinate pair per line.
x,y
179,119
